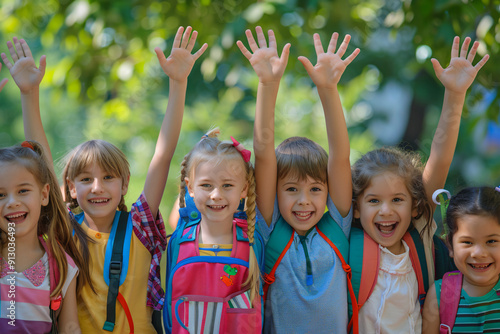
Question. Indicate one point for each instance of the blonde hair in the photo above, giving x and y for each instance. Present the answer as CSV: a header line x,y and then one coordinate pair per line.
x,y
407,165
105,154
300,157
54,219
208,149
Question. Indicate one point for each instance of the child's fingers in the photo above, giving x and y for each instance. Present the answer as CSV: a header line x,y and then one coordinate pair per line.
x,y
482,62
472,52
317,44
177,38
6,61
185,37
272,39
251,40
3,83
159,53
454,48
43,63
26,49
333,42
12,51
261,38
192,40
285,53
437,67
351,57
465,48
244,50
307,64
19,49
343,46
200,51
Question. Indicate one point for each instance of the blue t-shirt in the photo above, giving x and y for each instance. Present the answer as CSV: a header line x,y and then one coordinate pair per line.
x,y
292,305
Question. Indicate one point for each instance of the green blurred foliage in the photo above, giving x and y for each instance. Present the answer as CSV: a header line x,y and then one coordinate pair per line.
x,y
103,79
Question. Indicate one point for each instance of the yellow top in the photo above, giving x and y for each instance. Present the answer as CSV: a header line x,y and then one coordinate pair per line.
x,y
215,250
92,307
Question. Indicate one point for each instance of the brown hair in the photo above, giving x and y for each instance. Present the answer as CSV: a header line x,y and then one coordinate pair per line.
x,y
208,149
105,154
54,219
300,157
407,165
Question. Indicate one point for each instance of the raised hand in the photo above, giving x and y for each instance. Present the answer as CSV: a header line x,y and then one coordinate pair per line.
x,y
4,81
180,62
329,66
23,68
265,61
460,73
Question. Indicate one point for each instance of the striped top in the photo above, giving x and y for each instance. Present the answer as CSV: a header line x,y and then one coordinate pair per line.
x,y
476,314
25,297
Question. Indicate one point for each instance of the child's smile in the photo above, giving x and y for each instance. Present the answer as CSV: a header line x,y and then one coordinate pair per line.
x,y
385,209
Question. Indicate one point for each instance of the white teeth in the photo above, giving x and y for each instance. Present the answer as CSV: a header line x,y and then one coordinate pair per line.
x,y
98,200
386,224
302,214
217,206
477,266
15,216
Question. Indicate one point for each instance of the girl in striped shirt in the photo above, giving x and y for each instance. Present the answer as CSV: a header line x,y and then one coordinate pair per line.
x,y
473,220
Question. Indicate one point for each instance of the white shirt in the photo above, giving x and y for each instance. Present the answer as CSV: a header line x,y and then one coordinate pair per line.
x,y
393,306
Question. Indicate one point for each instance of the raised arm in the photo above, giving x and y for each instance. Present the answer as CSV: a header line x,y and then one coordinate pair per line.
x,y
269,67
4,81
456,79
326,75
177,66
28,77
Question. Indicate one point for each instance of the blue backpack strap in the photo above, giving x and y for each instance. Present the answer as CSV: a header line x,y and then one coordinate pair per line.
x,y
116,264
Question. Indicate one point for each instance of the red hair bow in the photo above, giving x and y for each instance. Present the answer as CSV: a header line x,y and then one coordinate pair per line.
x,y
246,154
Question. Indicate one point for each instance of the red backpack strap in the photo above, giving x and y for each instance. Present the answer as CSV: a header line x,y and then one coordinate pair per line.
x,y
270,277
416,267
451,289
355,318
369,273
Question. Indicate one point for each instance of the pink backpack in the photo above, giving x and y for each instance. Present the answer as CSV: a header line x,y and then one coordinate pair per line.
x,y
205,293
451,289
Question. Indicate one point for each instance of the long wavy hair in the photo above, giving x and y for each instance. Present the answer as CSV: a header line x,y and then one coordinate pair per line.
x,y
54,222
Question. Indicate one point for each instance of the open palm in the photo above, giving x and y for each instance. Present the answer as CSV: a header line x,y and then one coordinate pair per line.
x,y
23,68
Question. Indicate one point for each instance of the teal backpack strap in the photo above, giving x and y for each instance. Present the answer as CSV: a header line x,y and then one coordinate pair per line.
x,y
364,257
334,233
115,270
279,242
451,289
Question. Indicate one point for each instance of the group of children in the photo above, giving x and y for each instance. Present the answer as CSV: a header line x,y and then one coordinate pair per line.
x,y
254,249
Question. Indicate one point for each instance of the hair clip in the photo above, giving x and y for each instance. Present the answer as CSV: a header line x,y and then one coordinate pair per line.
x,y
246,154
497,189
438,198
27,144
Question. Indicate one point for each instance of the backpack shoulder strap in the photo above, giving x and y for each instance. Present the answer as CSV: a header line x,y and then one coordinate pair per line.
x,y
329,229
418,261
279,242
54,277
451,289
337,240
117,266
364,257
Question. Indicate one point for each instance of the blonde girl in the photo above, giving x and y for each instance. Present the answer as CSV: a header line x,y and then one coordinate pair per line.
x,y
217,175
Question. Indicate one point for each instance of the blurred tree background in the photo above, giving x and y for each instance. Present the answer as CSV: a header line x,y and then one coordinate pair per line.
x,y
103,79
